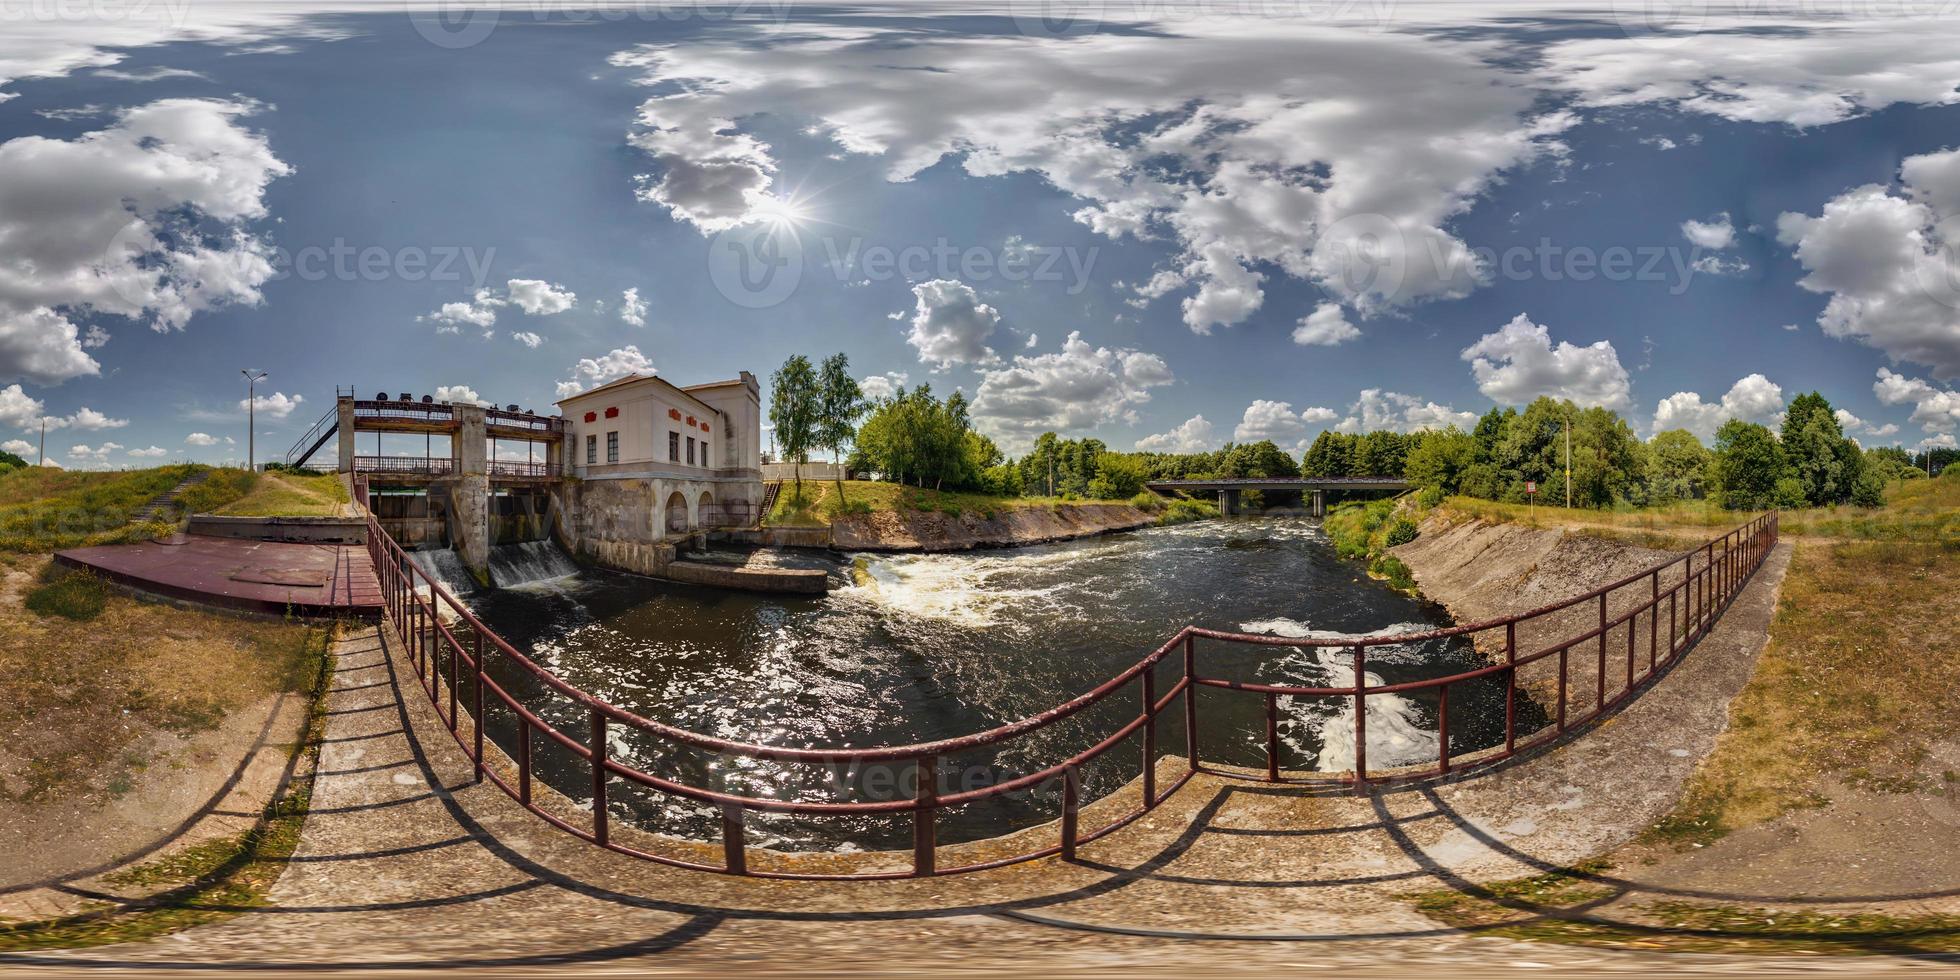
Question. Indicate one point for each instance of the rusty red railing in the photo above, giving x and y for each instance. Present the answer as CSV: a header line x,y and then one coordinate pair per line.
x,y
438,632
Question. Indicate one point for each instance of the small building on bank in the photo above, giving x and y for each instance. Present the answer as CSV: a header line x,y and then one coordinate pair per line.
x,y
655,462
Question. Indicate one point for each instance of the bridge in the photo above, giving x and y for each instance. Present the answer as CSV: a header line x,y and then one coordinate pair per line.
x,y
1229,488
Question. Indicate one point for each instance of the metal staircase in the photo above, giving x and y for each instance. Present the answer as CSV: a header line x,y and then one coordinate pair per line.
x,y
315,437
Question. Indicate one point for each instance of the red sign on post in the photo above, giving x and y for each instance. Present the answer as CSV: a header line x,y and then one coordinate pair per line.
x,y
1531,486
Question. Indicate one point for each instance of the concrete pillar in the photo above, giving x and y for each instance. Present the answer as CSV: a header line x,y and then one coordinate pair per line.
x,y
554,458
1319,504
345,429
1228,503
471,496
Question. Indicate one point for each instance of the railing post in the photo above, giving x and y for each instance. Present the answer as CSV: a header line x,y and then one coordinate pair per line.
x,y
1599,692
1360,716
1071,793
455,651
1562,658
1510,687
734,851
1150,736
925,772
598,775
1272,737
523,760
1443,730
1191,702
477,702
1654,622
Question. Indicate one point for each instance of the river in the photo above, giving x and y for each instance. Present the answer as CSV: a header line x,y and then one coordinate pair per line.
x,y
935,646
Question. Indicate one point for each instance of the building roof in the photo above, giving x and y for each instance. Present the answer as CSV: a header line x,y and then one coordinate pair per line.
x,y
633,379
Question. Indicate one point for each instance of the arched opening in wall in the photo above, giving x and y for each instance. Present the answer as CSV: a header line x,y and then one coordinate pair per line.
x,y
706,512
676,512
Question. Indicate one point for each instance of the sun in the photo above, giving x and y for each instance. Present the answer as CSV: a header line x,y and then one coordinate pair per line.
x,y
781,211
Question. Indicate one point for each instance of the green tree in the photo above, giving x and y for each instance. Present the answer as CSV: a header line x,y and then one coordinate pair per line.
x,y
1331,455
1677,465
9,461
1440,458
794,406
840,403
1818,455
1749,464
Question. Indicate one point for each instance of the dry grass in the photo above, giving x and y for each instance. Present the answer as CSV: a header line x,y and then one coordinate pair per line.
x,y
80,696
290,495
44,509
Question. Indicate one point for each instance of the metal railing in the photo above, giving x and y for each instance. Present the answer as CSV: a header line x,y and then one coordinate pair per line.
x,y
405,411
498,418
438,631
506,467
431,465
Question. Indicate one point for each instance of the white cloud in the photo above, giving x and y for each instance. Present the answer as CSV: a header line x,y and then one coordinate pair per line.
x,y
480,311
882,385
632,308
146,218
88,420
1193,435
1327,325
950,325
1277,421
1519,363
98,454
1378,409
461,394
1853,425
1078,388
1717,233
21,411
1944,440
277,405
201,439
1890,263
528,339
156,74
1933,409
1751,399
19,447
540,298
151,453
1330,152
611,366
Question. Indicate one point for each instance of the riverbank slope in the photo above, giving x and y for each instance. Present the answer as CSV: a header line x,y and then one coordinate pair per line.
x,y
915,530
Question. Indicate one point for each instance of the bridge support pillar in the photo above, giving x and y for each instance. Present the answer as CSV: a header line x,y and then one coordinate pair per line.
x,y
344,428
470,501
1319,503
1228,503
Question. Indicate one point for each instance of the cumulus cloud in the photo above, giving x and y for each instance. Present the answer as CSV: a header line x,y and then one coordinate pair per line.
x,y
1933,409
97,454
1193,435
527,338
146,218
950,325
19,447
1853,425
1325,152
1378,409
1278,421
1751,399
613,365
1327,325
461,394
1890,263
540,298
1716,233
201,439
22,411
151,453
1519,363
882,385
632,308
1077,388
277,405
479,311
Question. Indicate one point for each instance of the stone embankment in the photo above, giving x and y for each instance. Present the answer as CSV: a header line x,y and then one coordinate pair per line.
x,y
1007,527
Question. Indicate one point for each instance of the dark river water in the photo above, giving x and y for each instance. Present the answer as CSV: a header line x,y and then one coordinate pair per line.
x,y
936,646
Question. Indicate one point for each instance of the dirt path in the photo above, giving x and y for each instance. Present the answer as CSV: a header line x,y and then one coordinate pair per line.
x,y
405,861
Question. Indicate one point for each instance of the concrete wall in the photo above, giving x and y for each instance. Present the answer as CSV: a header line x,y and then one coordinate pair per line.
x,y
315,530
806,581
778,537
811,471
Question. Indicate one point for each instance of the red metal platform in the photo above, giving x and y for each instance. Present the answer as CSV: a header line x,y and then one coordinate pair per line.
x,y
277,577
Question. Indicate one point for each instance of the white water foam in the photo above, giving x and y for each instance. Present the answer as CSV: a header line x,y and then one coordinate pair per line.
x,y
1396,736
970,590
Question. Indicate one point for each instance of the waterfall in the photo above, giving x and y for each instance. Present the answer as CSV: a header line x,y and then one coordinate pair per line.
x,y
442,565
530,561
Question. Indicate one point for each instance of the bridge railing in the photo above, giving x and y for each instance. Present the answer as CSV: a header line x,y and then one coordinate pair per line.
x,y
449,649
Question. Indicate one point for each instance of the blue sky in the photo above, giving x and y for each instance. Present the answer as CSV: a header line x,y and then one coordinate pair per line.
x,y
1156,230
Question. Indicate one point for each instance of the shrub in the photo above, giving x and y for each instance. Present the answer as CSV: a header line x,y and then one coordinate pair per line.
x,y
1183,511
220,488
1401,532
1391,568
1147,502
68,594
1430,496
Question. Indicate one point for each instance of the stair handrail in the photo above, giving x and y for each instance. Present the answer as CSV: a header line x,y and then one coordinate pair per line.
x,y
306,440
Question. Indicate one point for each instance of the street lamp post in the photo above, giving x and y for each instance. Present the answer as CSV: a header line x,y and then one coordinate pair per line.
x,y
252,377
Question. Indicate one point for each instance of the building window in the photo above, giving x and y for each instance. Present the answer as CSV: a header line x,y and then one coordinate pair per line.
x,y
612,447
690,450
704,454
673,447
591,450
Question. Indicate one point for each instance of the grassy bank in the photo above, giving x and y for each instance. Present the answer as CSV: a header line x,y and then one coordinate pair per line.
x,y
819,503
1365,530
44,509
288,495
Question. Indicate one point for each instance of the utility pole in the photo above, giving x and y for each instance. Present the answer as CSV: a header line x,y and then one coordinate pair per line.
x,y
252,377
1568,462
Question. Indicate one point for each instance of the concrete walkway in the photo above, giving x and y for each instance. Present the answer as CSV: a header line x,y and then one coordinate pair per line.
x,y
405,863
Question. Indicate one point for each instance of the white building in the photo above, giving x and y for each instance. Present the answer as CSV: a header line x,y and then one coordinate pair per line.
x,y
656,460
